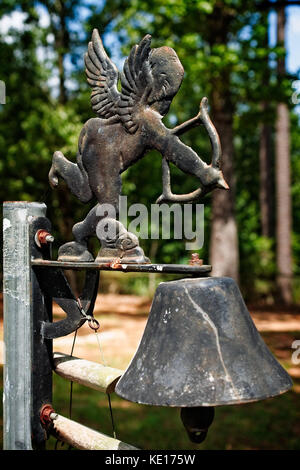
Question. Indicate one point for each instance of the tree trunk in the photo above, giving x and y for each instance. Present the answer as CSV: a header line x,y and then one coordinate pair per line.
x,y
283,177
224,253
58,17
63,45
62,97
265,173
265,152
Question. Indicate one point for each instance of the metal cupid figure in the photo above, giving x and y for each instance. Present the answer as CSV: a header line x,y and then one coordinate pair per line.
x,y
129,124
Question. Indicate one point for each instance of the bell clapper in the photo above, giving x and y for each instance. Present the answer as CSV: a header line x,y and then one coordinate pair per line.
x,y
196,421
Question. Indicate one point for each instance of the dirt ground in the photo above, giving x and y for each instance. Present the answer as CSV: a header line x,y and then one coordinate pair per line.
x,y
123,318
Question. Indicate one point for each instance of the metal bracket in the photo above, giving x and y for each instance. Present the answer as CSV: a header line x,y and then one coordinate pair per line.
x,y
54,284
48,284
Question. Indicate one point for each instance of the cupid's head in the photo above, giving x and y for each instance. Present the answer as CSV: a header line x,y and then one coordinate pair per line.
x,y
167,73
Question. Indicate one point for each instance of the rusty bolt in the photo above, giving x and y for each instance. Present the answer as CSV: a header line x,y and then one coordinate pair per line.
x,y
195,261
47,414
116,263
42,237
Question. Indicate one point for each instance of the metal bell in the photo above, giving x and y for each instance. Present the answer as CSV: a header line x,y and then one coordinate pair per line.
x,y
200,348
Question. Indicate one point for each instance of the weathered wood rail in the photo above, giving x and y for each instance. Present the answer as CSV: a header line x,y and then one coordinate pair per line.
x,y
82,437
88,373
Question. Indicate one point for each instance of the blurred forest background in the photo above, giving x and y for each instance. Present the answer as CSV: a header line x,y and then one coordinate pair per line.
x,y
235,52
252,232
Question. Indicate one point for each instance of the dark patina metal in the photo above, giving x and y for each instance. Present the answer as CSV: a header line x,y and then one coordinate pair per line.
x,y
129,124
54,284
200,348
42,347
185,269
48,285
197,421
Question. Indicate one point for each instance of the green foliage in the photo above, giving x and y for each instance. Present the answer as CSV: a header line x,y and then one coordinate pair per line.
x,y
36,121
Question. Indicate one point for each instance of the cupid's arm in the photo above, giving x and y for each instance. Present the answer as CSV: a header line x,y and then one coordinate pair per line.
x,y
173,150
170,146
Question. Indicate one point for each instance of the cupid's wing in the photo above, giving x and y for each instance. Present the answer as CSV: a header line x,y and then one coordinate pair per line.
x,y
102,76
136,81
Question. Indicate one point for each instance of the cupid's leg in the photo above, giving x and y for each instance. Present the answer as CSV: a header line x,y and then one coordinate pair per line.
x,y
105,184
82,231
74,175
116,241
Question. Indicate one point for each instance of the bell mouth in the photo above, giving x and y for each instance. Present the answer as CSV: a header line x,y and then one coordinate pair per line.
x,y
123,395
200,347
